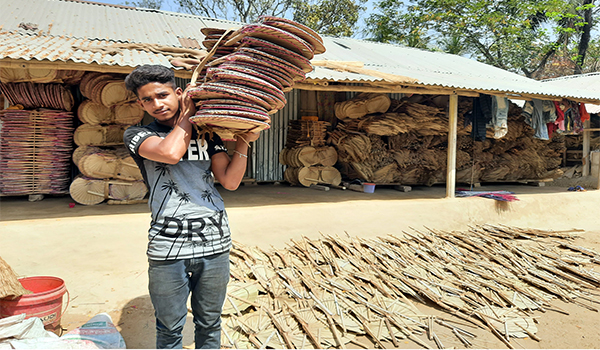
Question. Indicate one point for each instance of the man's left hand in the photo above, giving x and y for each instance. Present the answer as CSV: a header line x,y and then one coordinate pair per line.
x,y
250,136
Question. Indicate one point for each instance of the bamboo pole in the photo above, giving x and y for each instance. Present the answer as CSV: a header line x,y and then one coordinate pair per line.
x,y
453,127
586,148
598,184
358,68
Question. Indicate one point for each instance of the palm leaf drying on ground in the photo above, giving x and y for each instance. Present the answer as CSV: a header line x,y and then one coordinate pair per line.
x,y
336,292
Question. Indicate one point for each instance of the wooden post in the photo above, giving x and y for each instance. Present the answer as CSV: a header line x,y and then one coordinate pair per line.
x,y
451,166
598,186
585,157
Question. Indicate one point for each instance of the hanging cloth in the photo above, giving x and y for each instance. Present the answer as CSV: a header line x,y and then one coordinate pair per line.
x,y
533,112
552,128
560,112
549,114
585,116
500,116
481,115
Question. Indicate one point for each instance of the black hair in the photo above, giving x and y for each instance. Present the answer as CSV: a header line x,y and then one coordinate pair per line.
x,y
148,73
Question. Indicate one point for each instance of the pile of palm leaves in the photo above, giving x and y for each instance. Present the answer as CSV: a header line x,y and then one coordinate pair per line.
x,y
335,291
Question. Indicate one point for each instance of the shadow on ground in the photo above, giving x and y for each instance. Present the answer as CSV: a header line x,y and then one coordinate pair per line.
x,y
138,325
268,194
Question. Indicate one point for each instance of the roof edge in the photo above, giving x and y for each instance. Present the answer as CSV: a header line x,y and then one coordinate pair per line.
x,y
103,4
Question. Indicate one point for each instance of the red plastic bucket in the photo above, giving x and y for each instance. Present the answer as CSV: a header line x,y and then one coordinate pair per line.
x,y
45,302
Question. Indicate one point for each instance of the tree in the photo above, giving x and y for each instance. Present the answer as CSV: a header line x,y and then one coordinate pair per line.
x,y
592,61
149,4
394,24
331,17
245,11
586,28
517,35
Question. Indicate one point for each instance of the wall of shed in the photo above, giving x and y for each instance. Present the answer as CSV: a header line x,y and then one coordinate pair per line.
x,y
265,150
265,165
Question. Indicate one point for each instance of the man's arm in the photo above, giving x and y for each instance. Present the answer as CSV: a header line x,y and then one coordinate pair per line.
x,y
230,172
172,148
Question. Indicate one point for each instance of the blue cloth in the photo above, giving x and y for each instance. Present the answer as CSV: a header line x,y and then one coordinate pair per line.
x,y
533,112
170,283
505,196
500,116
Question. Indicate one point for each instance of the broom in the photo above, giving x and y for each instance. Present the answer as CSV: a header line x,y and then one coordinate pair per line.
x,y
9,284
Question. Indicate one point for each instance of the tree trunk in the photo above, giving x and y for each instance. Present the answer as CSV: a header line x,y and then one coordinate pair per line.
x,y
585,38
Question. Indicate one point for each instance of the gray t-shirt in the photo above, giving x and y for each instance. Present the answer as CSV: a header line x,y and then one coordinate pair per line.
x,y
188,213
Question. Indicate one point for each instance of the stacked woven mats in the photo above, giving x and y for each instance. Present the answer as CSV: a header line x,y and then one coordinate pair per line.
x,y
243,79
36,147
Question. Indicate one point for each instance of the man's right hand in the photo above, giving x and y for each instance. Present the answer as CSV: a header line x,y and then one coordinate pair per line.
x,y
187,107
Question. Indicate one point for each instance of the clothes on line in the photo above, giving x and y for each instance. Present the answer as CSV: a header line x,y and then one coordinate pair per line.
x,y
548,117
488,111
545,117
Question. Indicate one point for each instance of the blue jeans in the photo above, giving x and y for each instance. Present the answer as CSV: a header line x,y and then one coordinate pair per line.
x,y
170,283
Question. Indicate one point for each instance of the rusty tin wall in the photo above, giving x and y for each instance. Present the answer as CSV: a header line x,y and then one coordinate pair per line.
x,y
265,150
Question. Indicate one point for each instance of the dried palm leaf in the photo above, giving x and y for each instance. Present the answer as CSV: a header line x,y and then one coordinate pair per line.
x,y
10,287
237,291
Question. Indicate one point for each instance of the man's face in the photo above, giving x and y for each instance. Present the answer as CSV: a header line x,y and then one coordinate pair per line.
x,y
160,101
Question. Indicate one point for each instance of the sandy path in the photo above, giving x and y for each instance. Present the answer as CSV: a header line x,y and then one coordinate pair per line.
x,y
100,251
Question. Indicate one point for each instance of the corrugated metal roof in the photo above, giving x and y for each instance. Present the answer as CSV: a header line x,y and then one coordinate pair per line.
x,y
63,23
47,30
40,48
433,69
589,81
95,21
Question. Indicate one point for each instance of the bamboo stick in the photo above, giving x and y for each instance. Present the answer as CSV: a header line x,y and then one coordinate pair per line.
x,y
304,326
366,328
279,327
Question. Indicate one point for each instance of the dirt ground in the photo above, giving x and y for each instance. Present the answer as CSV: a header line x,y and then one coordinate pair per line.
x,y
100,250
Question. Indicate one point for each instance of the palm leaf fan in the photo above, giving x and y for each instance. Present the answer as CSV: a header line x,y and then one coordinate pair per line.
x,y
114,92
128,113
87,191
123,190
94,113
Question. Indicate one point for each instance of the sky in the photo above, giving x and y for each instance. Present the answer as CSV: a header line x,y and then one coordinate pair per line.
x,y
171,5
168,5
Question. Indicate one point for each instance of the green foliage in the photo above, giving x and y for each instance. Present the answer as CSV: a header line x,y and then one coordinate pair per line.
x,y
331,17
245,11
517,35
394,24
592,61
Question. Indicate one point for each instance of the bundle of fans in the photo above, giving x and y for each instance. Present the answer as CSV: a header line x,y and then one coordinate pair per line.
x,y
245,78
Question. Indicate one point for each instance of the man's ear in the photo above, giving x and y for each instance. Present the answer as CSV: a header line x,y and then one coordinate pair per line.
x,y
179,91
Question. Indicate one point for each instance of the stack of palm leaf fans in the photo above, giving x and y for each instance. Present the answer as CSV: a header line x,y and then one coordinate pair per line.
x,y
308,159
107,169
35,147
40,75
243,80
109,110
32,95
